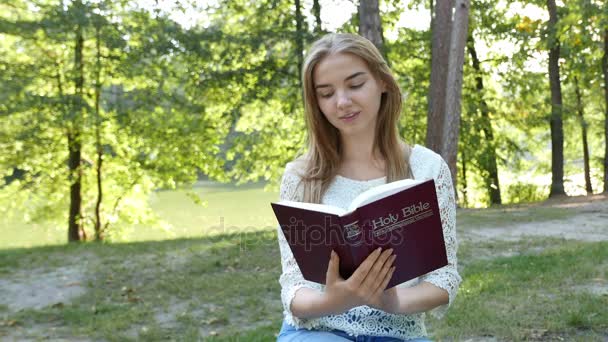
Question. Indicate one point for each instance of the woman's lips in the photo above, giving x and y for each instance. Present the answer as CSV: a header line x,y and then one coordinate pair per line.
x,y
349,117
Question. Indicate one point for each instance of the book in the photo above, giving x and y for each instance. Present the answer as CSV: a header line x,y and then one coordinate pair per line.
x,y
403,215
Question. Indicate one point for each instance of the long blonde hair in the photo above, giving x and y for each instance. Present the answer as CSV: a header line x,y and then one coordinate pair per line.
x,y
323,157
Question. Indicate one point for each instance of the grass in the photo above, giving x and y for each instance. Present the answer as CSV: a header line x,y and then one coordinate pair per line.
x,y
222,285
221,214
507,215
192,286
225,288
514,298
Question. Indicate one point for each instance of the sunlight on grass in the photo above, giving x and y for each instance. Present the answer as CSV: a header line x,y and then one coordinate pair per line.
x,y
185,289
528,292
228,208
507,215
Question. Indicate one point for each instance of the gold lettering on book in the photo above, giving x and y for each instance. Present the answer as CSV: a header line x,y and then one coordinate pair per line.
x,y
352,229
415,209
393,218
385,220
407,220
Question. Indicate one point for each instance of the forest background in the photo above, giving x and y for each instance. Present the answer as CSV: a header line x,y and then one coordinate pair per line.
x,y
163,127
103,102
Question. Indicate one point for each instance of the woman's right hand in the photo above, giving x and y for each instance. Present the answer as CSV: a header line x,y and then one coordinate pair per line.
x,y
364,287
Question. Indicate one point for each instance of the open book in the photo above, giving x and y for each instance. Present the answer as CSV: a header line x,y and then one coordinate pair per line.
x,y
403,215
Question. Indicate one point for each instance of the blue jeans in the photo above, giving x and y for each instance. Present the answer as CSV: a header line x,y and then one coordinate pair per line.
x,y
289,333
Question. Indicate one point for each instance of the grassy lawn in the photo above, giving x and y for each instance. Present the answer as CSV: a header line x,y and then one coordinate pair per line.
x,y
222,285
227,209
178,289
535,295
503,216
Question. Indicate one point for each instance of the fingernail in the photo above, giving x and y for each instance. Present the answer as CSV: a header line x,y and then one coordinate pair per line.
x,y
391,250
378,250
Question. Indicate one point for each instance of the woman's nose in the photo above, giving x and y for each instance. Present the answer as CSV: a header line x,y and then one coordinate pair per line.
x,y
343,99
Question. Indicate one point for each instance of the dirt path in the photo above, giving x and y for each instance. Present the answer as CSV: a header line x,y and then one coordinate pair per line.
x,y
589,222
36,287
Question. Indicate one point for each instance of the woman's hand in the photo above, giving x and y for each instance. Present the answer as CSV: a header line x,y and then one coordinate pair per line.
x,y
388,301
364,287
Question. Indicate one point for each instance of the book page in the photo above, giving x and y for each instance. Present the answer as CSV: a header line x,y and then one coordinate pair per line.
x,y
381,191
322,208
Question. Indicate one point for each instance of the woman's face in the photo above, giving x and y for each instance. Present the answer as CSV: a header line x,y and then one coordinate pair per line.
x,y
348,94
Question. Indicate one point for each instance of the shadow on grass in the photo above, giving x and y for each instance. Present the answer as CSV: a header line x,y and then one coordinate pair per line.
x,y
9,257
156,290
225,288
513,298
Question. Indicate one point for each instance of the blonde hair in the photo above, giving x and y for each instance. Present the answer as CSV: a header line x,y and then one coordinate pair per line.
x,y
323,157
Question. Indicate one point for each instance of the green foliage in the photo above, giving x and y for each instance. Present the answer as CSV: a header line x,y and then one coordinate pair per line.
x,y
152,131
525,193
409,56
221,98
224,209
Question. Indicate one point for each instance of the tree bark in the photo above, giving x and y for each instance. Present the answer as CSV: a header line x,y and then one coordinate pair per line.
x,y
98,230
440,49
488,163
432,10
463,162
75,229
316,11
451,127
432,25
74,221
557,132
299,40
370,25
581,116
605,71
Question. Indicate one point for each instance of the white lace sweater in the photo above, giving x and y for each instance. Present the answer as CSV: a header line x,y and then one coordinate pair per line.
x,y
364,320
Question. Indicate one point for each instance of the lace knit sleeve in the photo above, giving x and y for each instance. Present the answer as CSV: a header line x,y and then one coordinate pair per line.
x,y
446,277
291,278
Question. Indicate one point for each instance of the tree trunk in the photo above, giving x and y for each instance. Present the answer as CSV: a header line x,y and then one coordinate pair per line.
x,y
370,25
75,229
432,10
451,127
557,132
74,221
463,162
432,25
299,40
316,11
440,51
489,161
605,70
98,231
581,116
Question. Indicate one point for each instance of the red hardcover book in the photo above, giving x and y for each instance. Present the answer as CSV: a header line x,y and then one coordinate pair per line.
x,y
403,215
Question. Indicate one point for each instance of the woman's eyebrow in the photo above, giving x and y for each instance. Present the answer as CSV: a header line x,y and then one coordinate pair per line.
x,y
346,79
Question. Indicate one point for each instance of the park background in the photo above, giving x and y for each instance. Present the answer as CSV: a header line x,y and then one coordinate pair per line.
x,y
160,129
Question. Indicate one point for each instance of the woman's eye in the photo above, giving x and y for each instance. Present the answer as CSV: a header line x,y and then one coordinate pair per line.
x,y
357,86
326,95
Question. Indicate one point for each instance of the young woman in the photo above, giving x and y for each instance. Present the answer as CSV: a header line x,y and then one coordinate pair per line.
x,y
352,106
